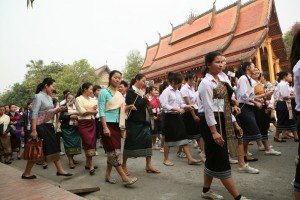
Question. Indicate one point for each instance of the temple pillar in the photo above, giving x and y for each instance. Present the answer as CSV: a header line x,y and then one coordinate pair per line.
x,y
270,60
277,67
258,60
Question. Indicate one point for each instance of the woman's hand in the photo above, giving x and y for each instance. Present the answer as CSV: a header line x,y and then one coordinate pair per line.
x,y
106,131
73,116
258,105
237,110
218,139
181,111
33,134
131,107
95,107
196,118
239,130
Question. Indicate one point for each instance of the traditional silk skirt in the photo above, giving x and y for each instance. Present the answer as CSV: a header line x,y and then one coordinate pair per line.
x,y
175,132
87,131
192,128
138,142
112,143
283,121
51,146
263,119
72,140
247,121
217,160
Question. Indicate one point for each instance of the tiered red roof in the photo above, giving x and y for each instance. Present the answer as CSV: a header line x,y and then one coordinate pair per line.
x,y
236,30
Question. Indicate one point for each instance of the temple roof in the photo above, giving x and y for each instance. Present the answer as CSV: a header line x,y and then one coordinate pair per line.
x,y
235,30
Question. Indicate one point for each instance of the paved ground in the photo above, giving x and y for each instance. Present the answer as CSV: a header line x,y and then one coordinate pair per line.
x,y
181,181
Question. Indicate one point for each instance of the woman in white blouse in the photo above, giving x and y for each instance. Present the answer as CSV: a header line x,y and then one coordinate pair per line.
x,y
215,119
86,107
285,117
174,107
247,101
191,120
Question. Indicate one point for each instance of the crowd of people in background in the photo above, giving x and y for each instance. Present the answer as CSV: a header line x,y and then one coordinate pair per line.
x,y
220,115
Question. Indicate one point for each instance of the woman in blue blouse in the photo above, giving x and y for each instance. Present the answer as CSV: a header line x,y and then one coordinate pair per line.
x,y
112,116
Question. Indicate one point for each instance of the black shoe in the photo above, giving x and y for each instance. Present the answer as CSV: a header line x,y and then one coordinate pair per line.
x,y
28,177
67,174
95,167
250,160
92,172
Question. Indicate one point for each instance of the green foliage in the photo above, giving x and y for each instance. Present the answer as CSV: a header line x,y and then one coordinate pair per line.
x,y
66,77
133,65
18,94
73,76
288,37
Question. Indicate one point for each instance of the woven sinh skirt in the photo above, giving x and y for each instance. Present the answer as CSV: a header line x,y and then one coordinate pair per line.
x,y
192,128
175,132
87,131
283,121
263,121
51,145
72,140
138,142
248,123
217,159
113,142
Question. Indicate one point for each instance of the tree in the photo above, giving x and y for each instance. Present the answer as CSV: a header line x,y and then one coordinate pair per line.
x,y
73,76
288,37
133,65
18,95
37,71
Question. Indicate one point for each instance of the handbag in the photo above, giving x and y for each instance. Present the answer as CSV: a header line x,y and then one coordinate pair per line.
x,y
34,150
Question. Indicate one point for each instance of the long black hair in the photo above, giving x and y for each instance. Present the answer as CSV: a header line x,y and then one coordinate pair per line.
x,y
83,87
209,58
113,72
136,78
281,75
47,81
295,51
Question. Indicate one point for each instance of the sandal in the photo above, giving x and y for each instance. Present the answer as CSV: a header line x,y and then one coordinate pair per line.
x,y
132,181
279,140
154,171
95,167
111,180
168,163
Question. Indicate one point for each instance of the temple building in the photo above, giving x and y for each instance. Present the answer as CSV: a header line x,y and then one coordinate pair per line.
x,y
103,74
243,32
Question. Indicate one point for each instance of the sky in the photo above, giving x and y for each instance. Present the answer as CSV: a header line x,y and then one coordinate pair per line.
x,y
103,32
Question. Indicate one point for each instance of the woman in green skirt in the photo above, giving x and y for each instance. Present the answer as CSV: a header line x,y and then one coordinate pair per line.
x,y
70,134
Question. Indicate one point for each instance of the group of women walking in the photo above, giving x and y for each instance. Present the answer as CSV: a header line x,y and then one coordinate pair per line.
x,y
222,119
